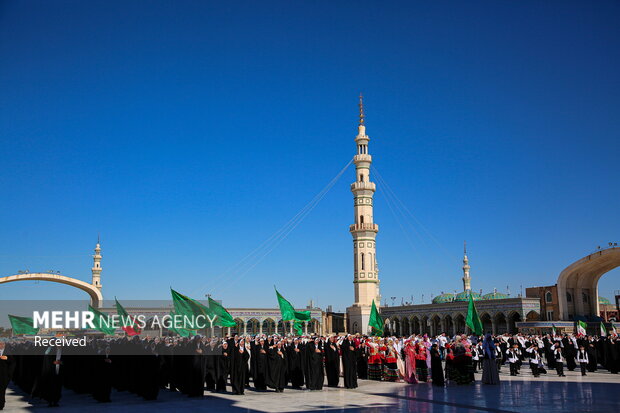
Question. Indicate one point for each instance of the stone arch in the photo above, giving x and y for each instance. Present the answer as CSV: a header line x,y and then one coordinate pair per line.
x,y
513,318
415,325
424,325
435,325
487,322
314,327
96,298
239,328
459,323
501,323
387,327
269,326
405,326
396,323
448,325
532,316
582,276
252,327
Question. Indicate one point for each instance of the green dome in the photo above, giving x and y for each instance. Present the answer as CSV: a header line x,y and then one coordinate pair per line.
x,y
495,296
464,296
443,298
603,301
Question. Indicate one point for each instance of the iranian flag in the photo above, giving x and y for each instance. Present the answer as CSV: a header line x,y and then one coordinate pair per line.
x,y
613,330
603,330
581,328
128,323
554,330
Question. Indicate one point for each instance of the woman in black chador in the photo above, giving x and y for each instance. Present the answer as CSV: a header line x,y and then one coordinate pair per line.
x,y
196,359
332,362
222,367
490,374
349,362
295,363
315,365
276,379
258,363
436,368
238,365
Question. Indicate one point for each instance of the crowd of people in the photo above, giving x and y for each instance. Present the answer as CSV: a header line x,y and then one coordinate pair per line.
x,y
145,366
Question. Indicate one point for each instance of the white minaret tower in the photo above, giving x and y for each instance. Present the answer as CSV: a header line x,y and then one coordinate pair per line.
x,y
466,267
96,270
364,232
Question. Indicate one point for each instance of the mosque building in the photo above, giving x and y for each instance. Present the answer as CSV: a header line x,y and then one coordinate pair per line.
x,y
575,294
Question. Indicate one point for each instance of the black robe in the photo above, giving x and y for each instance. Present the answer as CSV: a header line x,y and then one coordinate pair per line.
x,y
102,375
49,385
349,364
196,372
362,362
6,371
238,369
295,369
436,368
211,353
315,367
277,370
332,364
222,370
259,366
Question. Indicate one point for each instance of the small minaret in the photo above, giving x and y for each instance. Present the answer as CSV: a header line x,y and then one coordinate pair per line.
x,y
466,267
96,270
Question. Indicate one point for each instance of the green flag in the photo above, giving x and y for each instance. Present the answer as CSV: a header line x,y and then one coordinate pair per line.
x,y
297,326
603,330
128,323
22,325
101,321
289,313
179,331
553,330
375,322
473,320
581,328
224,317
195,314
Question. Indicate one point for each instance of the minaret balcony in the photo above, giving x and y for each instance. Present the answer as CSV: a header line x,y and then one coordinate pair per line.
x,y
363,185
364,227
362,158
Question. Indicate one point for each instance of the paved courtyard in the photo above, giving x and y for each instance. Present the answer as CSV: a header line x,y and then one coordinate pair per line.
x,y
598,392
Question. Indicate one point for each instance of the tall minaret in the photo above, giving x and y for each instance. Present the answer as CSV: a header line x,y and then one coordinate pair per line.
x,y
364,231
96,270
466,267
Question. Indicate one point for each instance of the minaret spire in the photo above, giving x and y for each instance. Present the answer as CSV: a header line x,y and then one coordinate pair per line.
x,y
466,267
96,270
364,231
361,105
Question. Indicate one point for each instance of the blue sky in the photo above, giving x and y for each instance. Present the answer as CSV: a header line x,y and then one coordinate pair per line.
x,y
186,133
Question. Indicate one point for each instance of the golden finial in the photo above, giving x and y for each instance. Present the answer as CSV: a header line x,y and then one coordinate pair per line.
x,y
361,109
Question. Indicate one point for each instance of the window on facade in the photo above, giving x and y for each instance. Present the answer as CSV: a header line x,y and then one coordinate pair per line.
x,y
569,298
362,178
355,262
362,257
361,219
548,297
584,297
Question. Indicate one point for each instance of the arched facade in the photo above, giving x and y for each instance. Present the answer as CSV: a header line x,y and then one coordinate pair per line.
x,y
579,281
96,298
